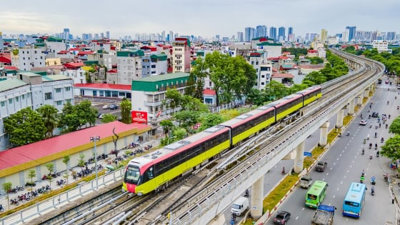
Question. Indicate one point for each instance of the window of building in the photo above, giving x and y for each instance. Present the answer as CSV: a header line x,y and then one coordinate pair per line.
x,y
59,102
67,88
48,96
153,66
256,62
23,97
262,83
10,101
153,72
115,93
58,90
3,103
122,94
17,99
94,93
262,76
68,100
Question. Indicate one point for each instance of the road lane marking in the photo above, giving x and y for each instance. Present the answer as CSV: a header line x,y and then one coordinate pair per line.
x,y
337,189
297,217
331,168
337,159
302,209
347,171
341,182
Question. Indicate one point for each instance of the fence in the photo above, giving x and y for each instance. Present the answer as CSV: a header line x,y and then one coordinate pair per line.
x,y
62,199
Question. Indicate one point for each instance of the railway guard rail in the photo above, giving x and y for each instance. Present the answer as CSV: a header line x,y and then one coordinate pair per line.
x,y
62,199
211,201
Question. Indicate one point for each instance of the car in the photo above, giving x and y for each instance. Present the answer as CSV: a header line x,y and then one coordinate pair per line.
x,y
305,181
375,115
282,217
363,122
105,106
100,116
321,166
113,106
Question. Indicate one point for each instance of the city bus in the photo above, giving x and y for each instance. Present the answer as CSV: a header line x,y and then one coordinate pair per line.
x,y
316,194
354,200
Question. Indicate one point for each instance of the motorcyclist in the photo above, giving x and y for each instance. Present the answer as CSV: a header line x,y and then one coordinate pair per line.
x,y
370,145
373,180
362,152
372,190
376,145
348,133
382,140
376,134
362,178
377,154
283,170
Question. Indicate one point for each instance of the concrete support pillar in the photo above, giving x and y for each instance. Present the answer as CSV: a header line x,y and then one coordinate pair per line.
x,y
257,197
359,99
351,107
323,137
339,118
299,159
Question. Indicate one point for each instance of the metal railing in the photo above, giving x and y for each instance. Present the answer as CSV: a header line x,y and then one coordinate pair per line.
x,y
61,199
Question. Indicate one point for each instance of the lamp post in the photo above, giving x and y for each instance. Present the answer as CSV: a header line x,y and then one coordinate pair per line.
x,y
94,140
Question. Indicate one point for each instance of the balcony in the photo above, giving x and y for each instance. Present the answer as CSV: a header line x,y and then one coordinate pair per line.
x,y
152,103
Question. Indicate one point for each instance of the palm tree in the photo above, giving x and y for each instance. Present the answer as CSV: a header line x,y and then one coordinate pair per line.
x,y
49,115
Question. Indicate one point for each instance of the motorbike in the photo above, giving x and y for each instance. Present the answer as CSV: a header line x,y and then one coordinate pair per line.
x,y
370,157
373,182
382,140
362,152
372,191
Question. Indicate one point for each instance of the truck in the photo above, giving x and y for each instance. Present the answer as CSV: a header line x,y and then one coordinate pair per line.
x,y
305,181
240,206
320,167
323,215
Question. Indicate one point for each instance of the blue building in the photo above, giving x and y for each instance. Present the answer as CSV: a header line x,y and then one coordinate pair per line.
x,y
281,34
352,32
261,31
249,33
272,33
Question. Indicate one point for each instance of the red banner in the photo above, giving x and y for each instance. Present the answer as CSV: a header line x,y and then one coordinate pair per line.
x,y
139,117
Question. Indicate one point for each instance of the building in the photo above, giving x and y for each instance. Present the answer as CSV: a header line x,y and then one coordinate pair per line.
x,y
380,45
36,155
390,36
54,45
284,78
129,66
290,34
351,32
272,33
32,90
181,55
324,35
103,90
281,34
240,36
249,33
66,34
272,49
148,93
154,64
75,72
1,41
261,31
30,57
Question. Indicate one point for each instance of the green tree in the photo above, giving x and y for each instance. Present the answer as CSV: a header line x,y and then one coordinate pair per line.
x,y
50,168
31,175
179,134
24,127
15,51
81,162
173,98
196,79
391,148
108,117
66,160
49,115
193,104
275,90
126,107
395,126
315,60
315,77
69,119
167,126
88,77
86,113
187,119
208,120
7,187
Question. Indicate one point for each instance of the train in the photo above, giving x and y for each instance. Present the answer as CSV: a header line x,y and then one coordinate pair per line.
x,y
154,171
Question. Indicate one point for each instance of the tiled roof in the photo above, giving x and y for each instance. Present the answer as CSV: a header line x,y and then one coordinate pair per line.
x,y
9,84
282,75
105,86
164,77
208,92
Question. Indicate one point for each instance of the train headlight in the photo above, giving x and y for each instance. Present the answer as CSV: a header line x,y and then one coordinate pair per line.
x,y
139,193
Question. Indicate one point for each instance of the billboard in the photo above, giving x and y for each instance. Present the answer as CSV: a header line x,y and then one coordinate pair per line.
x,y
139,117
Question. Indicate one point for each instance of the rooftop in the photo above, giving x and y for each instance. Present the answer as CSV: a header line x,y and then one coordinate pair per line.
x,y
9,84
31,155
105,86
282,75
163,77
55,77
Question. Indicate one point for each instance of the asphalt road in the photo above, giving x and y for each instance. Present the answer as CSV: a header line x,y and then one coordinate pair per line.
x,y
345,164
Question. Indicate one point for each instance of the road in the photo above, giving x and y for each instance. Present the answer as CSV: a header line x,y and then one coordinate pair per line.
x,y
345,164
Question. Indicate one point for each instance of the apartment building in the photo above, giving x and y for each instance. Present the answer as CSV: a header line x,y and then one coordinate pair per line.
x,y
129,66
154,64
148,93
32,90
181,55
30,57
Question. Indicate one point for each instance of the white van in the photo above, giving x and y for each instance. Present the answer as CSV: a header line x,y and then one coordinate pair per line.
x,y
240,206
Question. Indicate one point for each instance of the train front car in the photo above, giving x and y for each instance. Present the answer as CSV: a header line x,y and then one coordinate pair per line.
x,y
131,178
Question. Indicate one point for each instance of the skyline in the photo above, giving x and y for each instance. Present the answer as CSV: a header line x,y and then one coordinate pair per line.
x,y
206,18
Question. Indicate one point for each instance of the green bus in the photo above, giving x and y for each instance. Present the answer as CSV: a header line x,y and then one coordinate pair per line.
x,y
316,194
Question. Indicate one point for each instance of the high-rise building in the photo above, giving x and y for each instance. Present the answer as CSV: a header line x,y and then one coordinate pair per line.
x,y
240,36
261,31
171,36
290,34
108,34
272,33
390,36
351,32
324,35
249,33
1,41
163,35
65,34
217,37
281,34
181,55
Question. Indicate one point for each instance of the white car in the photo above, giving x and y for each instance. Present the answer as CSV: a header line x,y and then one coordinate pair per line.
x,y
363,122
105,107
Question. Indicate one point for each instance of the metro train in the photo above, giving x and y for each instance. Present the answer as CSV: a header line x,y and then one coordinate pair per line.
x,y
154,170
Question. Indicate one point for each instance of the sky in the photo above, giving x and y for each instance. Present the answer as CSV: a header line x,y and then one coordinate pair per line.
x,y
198,17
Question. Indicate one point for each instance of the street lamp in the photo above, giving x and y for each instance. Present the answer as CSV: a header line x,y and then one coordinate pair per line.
x,y
94,139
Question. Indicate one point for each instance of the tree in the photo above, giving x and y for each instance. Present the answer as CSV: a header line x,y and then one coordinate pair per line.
x,y
315,77
66,160
315,60
50,168
391,148
86,113
196,79
126,107
7,187
81,162
24,127
395,126
167,126
208,120
179,133
193,104
108,117
49,115
31,175
187,119
275,90
173,98
69,120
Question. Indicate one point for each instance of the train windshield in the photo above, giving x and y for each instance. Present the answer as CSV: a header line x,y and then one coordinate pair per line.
x,y
132,175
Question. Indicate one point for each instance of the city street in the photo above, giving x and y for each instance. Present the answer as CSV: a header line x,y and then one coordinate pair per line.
x,y
345,164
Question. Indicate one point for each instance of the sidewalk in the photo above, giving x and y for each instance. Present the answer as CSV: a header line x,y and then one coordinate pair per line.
x,y
54,186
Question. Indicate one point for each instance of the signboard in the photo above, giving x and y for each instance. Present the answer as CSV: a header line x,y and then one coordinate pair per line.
x,y
308,154
139,117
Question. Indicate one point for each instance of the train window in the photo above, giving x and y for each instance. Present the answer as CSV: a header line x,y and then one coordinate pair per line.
x,y
132,175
